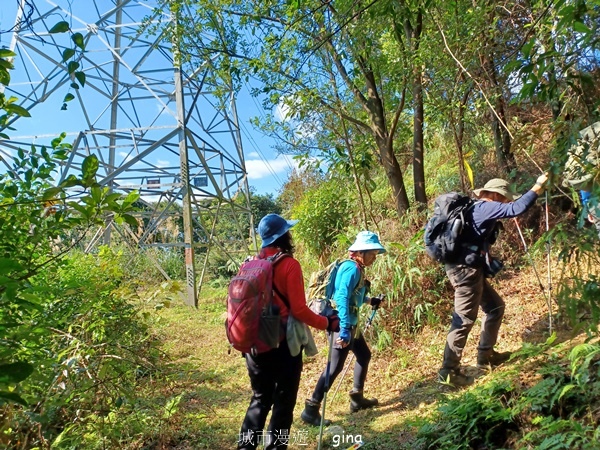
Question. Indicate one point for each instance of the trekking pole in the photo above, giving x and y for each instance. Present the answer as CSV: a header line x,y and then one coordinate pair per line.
x,y
536,275
327,371
367,326
548,249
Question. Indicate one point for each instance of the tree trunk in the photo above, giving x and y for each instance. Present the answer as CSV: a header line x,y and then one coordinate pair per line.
x,y
392,170
388,157
458,129
385,145
502,141
418,152
413,36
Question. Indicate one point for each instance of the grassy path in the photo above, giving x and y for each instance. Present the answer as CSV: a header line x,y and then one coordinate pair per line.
x,y
212,386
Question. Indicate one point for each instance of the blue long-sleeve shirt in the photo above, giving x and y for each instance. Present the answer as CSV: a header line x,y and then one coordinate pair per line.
x,y
349,295
486,214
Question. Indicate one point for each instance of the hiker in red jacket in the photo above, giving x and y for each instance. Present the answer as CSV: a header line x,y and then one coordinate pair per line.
x,y
275,374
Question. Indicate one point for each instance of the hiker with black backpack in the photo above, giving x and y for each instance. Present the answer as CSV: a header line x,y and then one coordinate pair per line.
x,y
351,290
275,373
469,271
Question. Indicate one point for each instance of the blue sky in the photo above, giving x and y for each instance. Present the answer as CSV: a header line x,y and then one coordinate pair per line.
x,y
267,171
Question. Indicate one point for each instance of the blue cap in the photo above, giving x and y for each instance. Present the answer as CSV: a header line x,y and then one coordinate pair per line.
x,y
365,241
272,227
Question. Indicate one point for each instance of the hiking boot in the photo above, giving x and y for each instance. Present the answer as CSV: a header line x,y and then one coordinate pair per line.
x,y
358,401
491,358
311,414
454,377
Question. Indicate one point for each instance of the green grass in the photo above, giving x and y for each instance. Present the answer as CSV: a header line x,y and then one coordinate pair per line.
x,y
210,388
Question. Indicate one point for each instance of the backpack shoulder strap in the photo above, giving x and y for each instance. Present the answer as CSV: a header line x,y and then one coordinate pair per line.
x,y
360,271
274,260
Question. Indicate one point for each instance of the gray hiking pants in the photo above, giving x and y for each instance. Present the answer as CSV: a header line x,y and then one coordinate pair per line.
x,y
471,290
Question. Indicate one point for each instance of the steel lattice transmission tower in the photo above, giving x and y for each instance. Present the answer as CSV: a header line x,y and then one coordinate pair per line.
x,y
155,127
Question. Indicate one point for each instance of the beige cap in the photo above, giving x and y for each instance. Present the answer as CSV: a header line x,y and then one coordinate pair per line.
x,y
499,186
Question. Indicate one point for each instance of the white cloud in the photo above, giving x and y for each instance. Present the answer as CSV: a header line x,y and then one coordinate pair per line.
x,y
162,163
258,168
282,112
253,155
126,156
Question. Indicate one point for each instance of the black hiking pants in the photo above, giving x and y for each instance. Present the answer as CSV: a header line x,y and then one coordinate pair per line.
x,y
361,351
275,379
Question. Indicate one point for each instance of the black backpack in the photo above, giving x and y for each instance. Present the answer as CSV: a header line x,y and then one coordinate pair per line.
x,y
443,231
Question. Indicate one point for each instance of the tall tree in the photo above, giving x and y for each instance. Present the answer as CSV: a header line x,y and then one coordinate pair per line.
x,y
411,17
312,59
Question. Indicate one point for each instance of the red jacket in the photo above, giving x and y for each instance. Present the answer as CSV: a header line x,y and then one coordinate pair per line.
x,y
288,279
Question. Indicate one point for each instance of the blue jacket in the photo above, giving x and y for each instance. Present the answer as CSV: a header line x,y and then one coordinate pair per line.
x,y
350,293
486,214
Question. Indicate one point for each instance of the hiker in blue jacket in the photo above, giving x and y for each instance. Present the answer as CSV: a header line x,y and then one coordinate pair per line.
x,y
468,278
350,292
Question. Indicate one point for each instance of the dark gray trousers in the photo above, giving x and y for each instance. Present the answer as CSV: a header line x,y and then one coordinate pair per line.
x,y
471,291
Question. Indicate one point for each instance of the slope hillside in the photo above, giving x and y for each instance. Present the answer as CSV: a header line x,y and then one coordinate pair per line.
x,y
501,410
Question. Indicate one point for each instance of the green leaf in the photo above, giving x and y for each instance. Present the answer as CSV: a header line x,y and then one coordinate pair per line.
x,y
85,212
16,109
9,265
581,28
89,167
67,54
80,77
72,66
15,372
74,85
6,53
11,190
6,64
51,193
60,27
77,38
130,220
96,192
71,181
12,397
4,77
132,197
68,97
565,389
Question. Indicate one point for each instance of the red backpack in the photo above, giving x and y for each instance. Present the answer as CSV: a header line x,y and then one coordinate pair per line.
x,y
253,323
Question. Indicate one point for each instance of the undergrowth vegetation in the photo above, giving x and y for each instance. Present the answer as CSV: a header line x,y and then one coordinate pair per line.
x,y
96,351
554,407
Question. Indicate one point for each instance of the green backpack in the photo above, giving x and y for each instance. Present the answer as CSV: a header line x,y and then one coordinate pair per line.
x,y
321,286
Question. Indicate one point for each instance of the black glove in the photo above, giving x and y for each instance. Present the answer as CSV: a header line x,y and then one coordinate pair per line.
x,y
376,301
333,320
